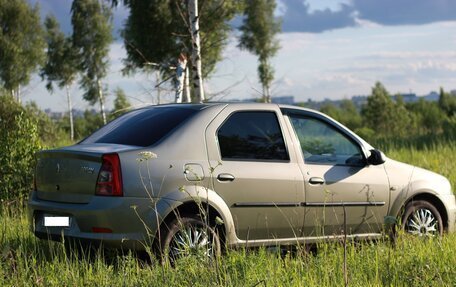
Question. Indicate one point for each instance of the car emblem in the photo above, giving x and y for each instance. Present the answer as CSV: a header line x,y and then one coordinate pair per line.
x,y
87,169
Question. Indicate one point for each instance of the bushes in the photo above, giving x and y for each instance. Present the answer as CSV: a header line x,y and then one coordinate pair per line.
x,y
19,141
385,118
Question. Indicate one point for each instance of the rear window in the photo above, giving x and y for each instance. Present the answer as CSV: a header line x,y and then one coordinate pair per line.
x,y
143,127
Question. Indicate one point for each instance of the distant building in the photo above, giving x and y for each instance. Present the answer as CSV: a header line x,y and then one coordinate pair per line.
x,y
408,98
285,100
432,97
54,115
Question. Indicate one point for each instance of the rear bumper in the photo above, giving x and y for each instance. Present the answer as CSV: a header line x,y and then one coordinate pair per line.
x,y
133,221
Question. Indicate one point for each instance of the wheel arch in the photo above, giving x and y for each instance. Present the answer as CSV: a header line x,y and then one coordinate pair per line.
x,y
432,199
204,209
196,201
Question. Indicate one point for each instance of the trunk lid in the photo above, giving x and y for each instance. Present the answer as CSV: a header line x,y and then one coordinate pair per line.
x,y
70,174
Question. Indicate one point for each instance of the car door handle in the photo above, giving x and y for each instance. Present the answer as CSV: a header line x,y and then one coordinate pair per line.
x,y
316,180
225,177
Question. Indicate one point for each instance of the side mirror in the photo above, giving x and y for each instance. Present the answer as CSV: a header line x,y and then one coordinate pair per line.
x,y
376,157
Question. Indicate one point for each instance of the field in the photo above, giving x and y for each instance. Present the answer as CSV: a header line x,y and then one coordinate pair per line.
x,y
26,261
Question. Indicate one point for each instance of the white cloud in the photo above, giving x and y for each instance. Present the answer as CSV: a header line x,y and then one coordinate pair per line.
x,y
363,23
320,5
392,55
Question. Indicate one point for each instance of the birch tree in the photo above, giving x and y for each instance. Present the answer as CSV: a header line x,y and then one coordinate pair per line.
x,y
92,26
181,70
197,78
61,63
21,44
259,31
158,32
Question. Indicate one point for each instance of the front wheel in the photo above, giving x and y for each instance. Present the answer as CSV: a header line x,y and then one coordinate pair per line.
x,y
421,218
190,236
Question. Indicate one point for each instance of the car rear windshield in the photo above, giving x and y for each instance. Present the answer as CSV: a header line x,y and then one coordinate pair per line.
x,y
143,127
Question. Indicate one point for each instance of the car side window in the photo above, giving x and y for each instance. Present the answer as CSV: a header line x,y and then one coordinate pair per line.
x,y
252,135
321,143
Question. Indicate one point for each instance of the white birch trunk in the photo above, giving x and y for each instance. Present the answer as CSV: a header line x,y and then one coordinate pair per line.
x,y
16,93
70,112
265,97
101,99
180,77
196,51
157,78
187,97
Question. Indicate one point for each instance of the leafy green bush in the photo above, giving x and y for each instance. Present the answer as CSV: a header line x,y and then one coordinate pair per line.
x,y
19,140
449,127
50,134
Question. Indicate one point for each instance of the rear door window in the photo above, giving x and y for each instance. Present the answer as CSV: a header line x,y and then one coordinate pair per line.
x,y
252,136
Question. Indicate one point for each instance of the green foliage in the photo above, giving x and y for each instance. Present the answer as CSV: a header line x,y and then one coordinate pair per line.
x,y
157,31
91,38
21,43
49,133
385,116
429,118
258,36
27,261
88,124
386,119
449,127
346,114
121,104
61,62
83,126
447,102
19,140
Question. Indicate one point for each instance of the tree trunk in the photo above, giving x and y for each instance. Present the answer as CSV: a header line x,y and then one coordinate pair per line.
x,y
157,77
268,94
101,99
180,77
265,97
16,93
70,112
187,97
196,51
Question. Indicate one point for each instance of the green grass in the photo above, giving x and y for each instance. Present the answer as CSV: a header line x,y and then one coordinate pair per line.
x,y
27,261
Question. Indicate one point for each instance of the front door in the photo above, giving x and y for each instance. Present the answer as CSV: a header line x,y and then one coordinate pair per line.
x,y
337,179
255,173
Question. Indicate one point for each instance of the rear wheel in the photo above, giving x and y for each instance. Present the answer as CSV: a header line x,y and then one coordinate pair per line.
x,y
421,218
189,236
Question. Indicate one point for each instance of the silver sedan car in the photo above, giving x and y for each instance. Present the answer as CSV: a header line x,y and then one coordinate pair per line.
x,y
181,178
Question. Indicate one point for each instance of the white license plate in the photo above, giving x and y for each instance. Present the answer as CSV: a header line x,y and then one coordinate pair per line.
x,y
56,221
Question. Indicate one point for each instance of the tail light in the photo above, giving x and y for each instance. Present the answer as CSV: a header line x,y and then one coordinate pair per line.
x,y
109,182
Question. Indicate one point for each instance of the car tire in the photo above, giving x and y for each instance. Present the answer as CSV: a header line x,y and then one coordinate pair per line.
x,y
189,236
422,218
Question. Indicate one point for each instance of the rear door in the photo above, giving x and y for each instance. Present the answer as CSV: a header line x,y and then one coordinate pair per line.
x,y
255,173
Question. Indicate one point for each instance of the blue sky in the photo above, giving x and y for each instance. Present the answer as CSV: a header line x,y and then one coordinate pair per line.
x,y
329,49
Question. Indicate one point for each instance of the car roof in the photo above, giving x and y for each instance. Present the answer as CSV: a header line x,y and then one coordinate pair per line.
x,y
201,106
